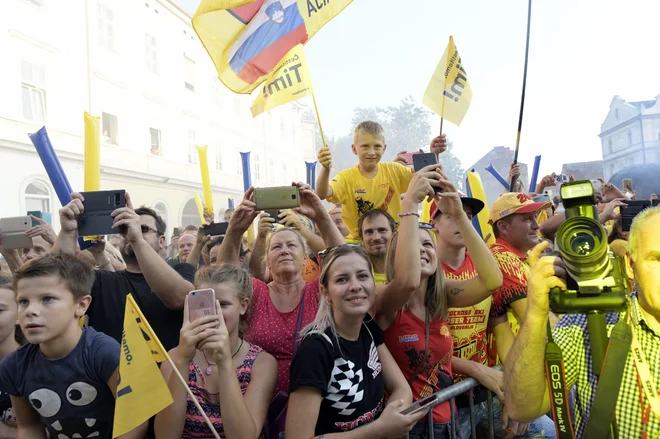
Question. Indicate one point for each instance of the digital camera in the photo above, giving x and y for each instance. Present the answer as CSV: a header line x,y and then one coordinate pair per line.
x,y
596,278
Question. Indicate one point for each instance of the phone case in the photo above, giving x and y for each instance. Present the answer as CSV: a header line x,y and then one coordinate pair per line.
x,y
15,224
216,229
421,405
201,303
96,219
284,197
424,159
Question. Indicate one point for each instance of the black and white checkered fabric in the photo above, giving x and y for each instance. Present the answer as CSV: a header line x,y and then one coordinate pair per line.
x,y
345,385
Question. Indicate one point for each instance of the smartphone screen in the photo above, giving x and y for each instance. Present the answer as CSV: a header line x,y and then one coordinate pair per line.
x,y
627,185
201,303
420,405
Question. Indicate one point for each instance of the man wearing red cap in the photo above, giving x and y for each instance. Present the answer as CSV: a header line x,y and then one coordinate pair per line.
x,y
513,217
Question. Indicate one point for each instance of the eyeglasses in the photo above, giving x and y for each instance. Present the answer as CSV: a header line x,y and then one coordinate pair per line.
x,y
145,229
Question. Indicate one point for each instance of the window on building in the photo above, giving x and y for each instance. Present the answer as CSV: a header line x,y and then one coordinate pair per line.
x,y
33,88
106,25
192,151
190,216
151,52
110,126
610,149
218,157
161,210
189,73
257,168
630,138
156,147
271,171
37,196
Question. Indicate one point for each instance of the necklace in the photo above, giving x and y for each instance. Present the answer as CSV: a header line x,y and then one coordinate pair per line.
x,y
209,368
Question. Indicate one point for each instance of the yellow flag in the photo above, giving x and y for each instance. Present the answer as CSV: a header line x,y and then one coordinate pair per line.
x,y
449,92
141,391
247,42
289,81
157,350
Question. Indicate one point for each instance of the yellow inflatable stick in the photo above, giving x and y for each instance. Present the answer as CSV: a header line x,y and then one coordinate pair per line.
x,y
92,154
200,208
206,180
476,190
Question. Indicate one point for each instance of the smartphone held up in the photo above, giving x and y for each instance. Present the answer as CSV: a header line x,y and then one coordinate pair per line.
x,y
201,303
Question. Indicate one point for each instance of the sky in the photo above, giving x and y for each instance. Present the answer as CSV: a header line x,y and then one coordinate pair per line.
x,y
582,54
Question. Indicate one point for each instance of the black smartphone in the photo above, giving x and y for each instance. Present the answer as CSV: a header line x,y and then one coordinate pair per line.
x,y
35,213
629,212
95,219
216,229
655,202
274,213
423,160
176,232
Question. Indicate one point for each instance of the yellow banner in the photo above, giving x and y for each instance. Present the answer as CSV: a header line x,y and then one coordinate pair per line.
x,y
246,43
157,350
289,81
141,391
449,92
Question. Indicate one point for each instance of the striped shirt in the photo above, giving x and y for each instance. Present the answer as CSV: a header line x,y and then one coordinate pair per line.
x,y
571,333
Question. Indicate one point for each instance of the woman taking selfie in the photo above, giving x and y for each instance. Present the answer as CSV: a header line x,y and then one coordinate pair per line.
x,y
283,307
232,380
420,306
342,369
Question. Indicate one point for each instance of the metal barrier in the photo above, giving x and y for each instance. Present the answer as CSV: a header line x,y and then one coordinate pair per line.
x,y
450,393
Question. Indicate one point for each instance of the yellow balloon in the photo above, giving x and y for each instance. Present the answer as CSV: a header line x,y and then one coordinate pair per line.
x,y
200,208
92,154
206,180
477,190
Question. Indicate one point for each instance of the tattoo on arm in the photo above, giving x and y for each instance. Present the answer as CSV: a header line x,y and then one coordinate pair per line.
x,y
456,291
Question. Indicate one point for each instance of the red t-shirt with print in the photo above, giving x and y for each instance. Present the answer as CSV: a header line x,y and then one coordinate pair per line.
x,y
515,270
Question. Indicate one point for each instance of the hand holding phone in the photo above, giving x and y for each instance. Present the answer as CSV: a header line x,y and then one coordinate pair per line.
x,y
96,219
424,159
14,232
421,405
201,303
216,229
284,197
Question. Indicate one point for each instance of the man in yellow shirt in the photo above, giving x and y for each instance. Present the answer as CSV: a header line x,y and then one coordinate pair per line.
x,y
376,229
369,185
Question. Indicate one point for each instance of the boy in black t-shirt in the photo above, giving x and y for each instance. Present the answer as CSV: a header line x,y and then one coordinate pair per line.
x,y
65,379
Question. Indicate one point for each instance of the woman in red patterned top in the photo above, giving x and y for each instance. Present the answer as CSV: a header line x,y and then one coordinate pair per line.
x,y
414,317
288,302
225,374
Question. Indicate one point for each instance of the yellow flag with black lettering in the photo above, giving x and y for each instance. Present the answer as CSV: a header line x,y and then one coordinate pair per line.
x,y
449,92
289,81
141,390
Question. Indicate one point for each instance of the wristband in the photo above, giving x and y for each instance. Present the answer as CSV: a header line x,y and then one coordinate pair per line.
x,y
402,214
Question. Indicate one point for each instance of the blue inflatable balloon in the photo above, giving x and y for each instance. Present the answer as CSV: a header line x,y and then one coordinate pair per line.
x,y
311,174
535,173
230,203
499,177
52,164
247,175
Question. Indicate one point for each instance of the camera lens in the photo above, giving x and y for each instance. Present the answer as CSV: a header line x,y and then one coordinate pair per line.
x,y
293,196
582,242
117,200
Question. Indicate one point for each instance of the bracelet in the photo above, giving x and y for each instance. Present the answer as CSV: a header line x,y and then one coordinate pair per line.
x,y
401,215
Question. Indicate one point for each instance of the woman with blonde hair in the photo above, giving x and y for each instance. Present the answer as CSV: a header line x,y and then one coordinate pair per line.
x,y
414,318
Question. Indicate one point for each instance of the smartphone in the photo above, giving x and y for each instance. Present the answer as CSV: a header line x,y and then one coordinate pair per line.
x,y
13,232
176,232
95,219
424,159
274,213
421,405
629,212
201,303
284,197
562,178
216,229
35,213
409,157
627,185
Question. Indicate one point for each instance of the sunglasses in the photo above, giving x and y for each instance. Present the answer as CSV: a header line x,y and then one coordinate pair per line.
x,y
328,251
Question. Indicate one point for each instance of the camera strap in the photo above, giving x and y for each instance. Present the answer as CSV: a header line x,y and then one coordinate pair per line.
x,y
554,371
601,415
644,373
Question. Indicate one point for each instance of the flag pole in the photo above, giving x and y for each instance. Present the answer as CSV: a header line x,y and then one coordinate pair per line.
x,y
318,119
442,119
192,398
522,98
444,88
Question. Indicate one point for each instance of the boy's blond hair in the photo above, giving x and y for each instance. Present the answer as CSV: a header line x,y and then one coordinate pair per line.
x,y
370,127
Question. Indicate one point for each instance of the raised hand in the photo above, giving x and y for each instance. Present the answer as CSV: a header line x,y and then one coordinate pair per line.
x,y
609,211
546,273
421,185
310,203
325,157
42,229
245,213
449,201
266,224
192,333
69,214
218,341
439,144
126,218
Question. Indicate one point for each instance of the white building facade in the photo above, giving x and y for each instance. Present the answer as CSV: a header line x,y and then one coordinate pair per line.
x,y
139,66
630,134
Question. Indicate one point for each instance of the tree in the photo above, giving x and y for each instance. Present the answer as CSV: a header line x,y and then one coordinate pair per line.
x,y
407,128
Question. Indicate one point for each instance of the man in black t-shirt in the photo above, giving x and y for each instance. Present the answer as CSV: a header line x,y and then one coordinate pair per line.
x,y
158,289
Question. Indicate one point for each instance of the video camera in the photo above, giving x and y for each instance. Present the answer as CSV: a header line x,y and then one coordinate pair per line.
x,y
597,281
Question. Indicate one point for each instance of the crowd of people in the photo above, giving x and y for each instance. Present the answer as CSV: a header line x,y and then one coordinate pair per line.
x,y
327,322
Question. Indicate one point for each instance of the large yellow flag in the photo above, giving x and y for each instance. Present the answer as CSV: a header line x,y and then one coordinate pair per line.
x,y
449,92
247,42
289,81
141,391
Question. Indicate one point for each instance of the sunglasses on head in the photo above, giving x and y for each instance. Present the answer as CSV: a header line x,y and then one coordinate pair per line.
x,y
327,251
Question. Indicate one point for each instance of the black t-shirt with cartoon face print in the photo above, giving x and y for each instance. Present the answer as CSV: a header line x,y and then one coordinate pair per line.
x,y
348,374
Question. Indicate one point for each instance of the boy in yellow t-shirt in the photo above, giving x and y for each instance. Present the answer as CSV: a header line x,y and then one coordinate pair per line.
x,y
369,185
